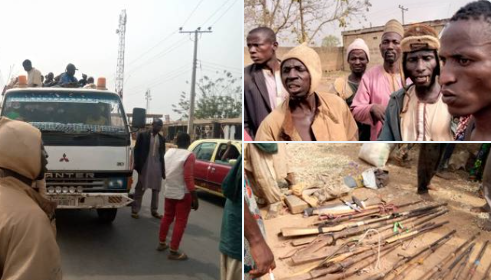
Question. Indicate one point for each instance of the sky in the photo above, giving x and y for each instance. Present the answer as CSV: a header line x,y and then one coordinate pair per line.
x,y
53,33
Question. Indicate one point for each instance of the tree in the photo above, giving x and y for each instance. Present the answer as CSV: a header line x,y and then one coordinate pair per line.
x,y
215,98
304,18
330,41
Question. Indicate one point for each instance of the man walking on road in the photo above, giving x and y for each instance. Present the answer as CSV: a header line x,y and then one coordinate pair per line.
x,y
149,163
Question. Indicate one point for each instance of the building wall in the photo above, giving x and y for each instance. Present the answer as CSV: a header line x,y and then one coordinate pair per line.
x,y
373,36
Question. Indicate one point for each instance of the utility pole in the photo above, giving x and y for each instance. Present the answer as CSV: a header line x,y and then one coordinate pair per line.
x,y
193,77
148,97
402,11
120,66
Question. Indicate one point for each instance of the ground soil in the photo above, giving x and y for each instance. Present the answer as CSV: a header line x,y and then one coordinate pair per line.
x,y
339,160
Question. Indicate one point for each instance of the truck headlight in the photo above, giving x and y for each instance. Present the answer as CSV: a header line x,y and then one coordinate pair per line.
x,y
58,189
115,183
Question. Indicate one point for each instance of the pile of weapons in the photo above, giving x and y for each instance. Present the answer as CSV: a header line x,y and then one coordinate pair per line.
x,y
329,259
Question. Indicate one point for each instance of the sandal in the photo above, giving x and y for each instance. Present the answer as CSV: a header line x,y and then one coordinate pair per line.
x,y
156,215
162,246
177,256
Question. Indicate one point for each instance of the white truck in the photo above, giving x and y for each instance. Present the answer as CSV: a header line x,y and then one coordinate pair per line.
x,y
87,137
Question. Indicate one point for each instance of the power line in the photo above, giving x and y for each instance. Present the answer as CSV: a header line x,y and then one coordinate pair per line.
x,y
167,37
182,67
160,81
161,54
222,65
191,13
224,13
143,54
216,11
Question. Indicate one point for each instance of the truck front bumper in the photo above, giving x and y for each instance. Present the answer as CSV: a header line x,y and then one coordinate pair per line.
x,y
90,200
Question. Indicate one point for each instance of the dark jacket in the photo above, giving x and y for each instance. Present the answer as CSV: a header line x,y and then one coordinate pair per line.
x,y
142,147
256,97
391,131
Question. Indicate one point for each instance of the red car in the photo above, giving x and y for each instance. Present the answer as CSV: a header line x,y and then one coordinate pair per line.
x,y
214,159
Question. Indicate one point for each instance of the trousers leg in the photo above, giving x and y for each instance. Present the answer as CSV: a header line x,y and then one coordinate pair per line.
x,y
429,158
155,201
137,198
183,207
167,219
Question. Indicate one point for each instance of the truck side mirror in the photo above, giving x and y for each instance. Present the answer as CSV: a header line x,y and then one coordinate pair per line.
x,y
139,117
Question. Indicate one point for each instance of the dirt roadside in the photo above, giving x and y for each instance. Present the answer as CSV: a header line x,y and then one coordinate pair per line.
x,y
339,160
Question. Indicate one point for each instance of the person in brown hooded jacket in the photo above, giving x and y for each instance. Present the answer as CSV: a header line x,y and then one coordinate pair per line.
x,y
28,248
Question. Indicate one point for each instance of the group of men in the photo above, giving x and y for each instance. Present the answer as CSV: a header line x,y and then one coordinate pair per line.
x,y
424,84
65,79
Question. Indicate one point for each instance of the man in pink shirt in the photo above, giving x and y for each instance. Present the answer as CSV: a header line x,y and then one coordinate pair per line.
x,y
380,81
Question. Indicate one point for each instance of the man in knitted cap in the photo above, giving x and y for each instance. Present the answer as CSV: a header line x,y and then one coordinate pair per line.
x,y
417,112
28,248
380,81
263,90
358,56
307,115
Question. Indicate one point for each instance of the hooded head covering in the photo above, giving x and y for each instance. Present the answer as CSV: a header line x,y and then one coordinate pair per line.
x,y
312,62
416,38
394,26
20,148
358,44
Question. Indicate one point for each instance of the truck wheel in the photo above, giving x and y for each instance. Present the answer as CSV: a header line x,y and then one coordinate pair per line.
x,y
107,215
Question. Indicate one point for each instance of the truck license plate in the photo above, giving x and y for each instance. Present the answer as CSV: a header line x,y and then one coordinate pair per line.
x,y
64,201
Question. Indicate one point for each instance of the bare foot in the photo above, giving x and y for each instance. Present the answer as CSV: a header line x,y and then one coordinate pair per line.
x,y
433,188
426,196
444,175
273,210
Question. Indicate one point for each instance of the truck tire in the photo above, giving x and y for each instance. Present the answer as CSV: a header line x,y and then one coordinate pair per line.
x,y
107,215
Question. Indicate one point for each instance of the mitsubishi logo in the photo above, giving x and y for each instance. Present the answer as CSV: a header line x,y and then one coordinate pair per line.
x,y
64,158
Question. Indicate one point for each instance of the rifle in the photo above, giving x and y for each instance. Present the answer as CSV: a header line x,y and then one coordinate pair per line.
x,y
430,273
382,209
301,231
414,262
361,263
335,257
477,261
461,267
449,269
310,253
330,239
403,261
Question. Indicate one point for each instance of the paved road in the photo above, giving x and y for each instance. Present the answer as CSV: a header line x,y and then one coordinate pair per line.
x,y
125,249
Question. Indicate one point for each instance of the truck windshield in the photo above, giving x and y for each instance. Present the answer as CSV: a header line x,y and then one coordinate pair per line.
x,y
67,112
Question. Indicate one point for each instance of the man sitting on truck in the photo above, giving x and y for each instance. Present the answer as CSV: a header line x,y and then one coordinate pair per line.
x,y
149,163
68,79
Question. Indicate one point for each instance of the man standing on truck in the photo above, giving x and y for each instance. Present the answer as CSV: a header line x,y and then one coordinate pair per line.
x,y
28,248
149,163
33,75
